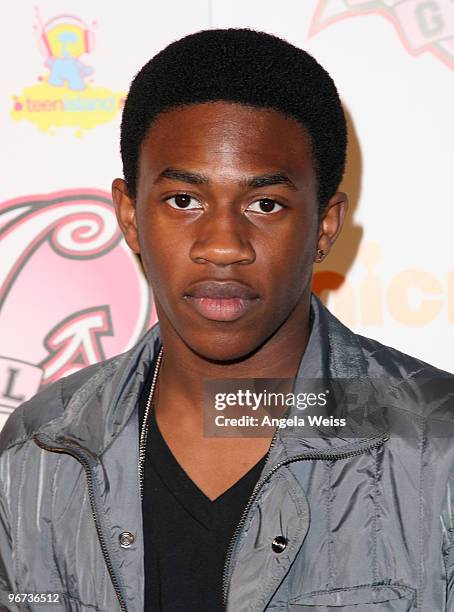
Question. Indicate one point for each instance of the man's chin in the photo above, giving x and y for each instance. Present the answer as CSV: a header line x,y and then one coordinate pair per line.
x,y
224,347
221,341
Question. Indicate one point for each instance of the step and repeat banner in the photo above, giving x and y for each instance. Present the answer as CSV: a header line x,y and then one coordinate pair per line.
x,y
71,293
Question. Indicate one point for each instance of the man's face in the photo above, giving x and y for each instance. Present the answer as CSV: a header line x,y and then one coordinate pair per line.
x,y
226,222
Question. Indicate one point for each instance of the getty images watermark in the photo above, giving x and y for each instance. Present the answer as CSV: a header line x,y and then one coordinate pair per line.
x,y
353,408
255,408
272,400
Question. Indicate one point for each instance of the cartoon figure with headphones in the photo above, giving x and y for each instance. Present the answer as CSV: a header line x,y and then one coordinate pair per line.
x,y
64,39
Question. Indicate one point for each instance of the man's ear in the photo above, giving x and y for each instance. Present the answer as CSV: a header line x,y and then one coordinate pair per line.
x,y
126,213
330,225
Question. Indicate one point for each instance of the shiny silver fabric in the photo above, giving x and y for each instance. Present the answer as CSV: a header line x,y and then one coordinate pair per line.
x,y
367,515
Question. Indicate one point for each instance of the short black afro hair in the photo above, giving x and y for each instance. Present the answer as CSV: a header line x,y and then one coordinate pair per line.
x,y
245,66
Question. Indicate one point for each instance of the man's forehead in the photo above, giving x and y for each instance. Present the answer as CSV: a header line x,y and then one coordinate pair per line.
x,y
227,119
208,143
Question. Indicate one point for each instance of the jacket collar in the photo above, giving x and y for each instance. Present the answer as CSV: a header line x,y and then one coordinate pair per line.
x,y
333,363
99,409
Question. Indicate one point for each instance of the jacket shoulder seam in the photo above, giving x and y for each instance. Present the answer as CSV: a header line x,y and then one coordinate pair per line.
x,y
23,440
94,379
384,348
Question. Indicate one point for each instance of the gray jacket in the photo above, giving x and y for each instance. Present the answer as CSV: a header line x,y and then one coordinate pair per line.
x,y
365,516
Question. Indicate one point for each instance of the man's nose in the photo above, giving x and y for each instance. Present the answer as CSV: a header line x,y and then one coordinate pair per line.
x,y
223,239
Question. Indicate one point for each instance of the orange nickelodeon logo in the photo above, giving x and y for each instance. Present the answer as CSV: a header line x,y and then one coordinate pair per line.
x,y
414,297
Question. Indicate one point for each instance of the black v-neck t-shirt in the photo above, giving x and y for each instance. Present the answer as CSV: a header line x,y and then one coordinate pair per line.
x,y
186,535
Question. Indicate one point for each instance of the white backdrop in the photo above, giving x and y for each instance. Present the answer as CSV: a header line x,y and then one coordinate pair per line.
x,y
66,68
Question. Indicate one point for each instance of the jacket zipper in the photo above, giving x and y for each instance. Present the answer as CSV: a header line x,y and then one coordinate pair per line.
x,y
91,494
307,456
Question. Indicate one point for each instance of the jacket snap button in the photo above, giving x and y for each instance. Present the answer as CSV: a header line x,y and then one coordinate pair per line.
x,y
126,539
279,544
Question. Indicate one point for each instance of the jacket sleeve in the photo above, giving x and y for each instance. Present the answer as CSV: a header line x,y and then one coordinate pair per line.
x,y
12,427
7,583
448,523
450,590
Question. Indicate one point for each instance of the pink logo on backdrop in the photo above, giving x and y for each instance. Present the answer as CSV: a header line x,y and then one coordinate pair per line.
x,y
71,292
422,25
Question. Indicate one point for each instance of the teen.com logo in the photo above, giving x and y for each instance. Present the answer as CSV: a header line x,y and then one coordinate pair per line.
x,y
424,26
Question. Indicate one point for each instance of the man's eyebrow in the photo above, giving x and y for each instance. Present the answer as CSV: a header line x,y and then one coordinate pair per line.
x,y
265,180
194,178
185,176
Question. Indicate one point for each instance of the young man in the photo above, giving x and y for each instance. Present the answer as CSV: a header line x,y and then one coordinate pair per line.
x,y
233,144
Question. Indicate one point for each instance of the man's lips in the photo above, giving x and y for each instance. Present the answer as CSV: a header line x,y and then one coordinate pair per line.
x,y
221,301
221,289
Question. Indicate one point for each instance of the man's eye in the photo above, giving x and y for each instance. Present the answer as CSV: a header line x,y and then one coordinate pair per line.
x,y
265,205
183,201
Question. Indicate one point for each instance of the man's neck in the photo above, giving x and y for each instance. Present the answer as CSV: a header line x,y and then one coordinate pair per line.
x,y
215,463
183,372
